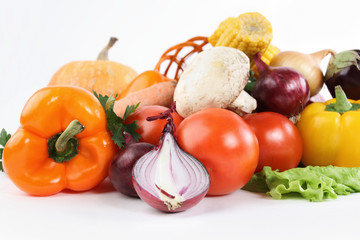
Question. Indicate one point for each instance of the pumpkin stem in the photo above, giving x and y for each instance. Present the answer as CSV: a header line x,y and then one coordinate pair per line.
x,y
103,55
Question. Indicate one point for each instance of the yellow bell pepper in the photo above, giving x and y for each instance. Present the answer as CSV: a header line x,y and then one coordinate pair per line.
x,y
331,132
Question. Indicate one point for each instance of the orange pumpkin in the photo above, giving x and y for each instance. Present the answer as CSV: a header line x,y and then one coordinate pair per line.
x,y
102,76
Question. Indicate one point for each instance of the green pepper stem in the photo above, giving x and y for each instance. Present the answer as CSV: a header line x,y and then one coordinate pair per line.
x,y
72,129
342,103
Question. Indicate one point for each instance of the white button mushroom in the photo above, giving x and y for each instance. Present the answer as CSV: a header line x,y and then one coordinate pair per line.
x,y
214,79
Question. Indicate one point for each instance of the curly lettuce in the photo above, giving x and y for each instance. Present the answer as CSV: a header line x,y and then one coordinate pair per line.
x,y
313,183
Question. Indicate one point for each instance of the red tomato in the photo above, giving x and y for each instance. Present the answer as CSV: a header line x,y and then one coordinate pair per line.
x,y
151,131
279,140
224,143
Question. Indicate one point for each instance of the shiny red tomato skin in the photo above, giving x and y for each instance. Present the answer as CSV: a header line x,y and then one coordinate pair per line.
x,y
224,143
151,131
280,141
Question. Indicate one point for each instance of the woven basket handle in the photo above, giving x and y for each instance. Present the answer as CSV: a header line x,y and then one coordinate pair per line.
x,y
176,56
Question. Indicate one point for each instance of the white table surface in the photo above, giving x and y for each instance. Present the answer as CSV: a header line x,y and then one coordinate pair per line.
x,y
38,37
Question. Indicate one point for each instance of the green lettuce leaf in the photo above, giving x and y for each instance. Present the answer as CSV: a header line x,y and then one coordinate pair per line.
x,y
313,183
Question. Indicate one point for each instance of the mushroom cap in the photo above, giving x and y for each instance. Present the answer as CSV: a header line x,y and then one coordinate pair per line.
x,y
213,79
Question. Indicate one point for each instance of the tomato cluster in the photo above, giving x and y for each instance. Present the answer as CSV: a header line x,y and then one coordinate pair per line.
x,y
231,147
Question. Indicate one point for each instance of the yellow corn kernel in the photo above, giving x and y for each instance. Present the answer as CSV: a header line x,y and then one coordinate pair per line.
x,y
270,52
223,25
250,32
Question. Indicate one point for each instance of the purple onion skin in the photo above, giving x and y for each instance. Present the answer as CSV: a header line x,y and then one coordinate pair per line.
x,y
120,171
150,172
348,78
280,89
159,205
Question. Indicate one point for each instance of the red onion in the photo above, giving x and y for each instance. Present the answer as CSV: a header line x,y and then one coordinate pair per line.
x,y
120,171
280,89
168,178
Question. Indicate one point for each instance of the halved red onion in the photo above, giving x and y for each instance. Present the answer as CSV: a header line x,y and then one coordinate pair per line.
x,y
168,178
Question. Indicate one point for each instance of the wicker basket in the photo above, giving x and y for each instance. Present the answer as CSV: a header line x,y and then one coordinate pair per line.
x,y
173,62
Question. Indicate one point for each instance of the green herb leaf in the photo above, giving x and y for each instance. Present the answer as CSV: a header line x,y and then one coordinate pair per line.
x,y
251,76
118,137
251,82
4,137
107,102
116,124
102,99
131,129
129,110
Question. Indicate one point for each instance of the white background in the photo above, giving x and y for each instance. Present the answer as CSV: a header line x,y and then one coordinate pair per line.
x,y
38,37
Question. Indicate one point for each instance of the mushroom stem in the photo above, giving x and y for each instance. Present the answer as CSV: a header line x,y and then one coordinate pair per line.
x,y
243,104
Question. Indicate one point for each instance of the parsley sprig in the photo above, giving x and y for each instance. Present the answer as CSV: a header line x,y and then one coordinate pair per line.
x,y
116,124
4,137
251,82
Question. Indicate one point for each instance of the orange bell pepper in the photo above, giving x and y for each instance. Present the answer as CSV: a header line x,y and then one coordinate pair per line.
x,y
51,152
144,80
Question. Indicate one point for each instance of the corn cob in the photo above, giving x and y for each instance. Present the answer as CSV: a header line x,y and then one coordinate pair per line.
x,y
213,39
250,33
270,52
